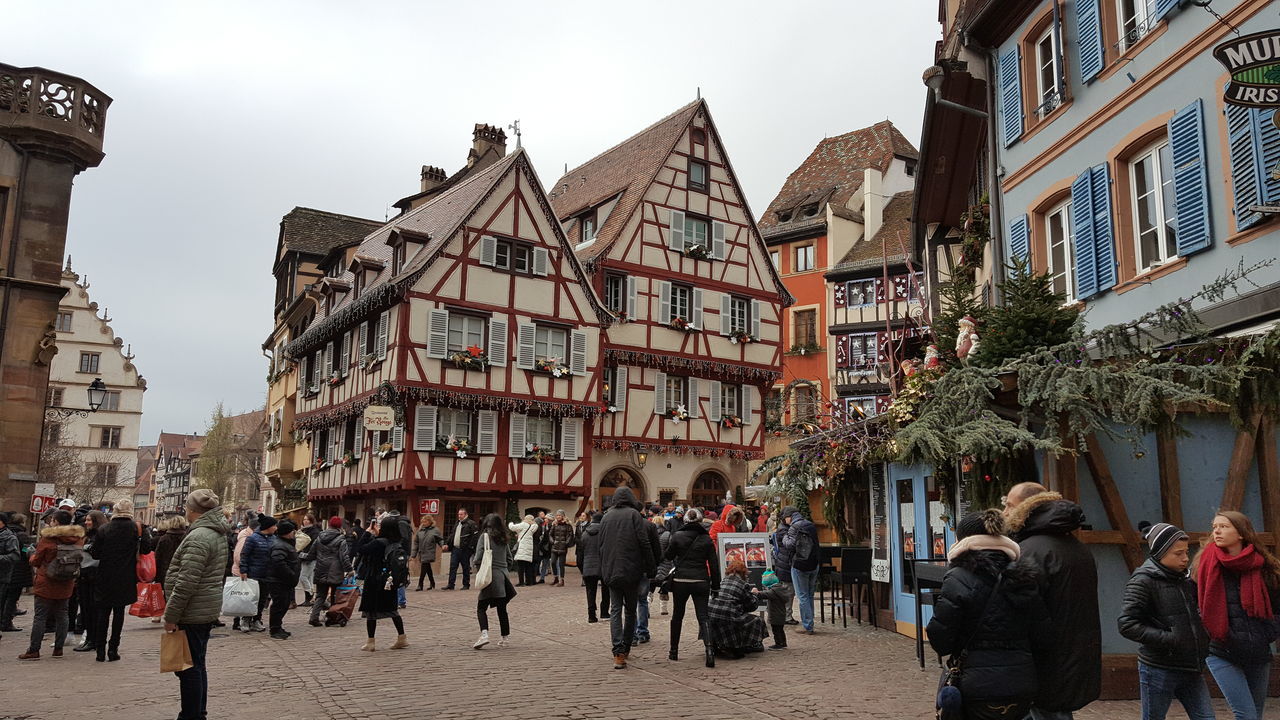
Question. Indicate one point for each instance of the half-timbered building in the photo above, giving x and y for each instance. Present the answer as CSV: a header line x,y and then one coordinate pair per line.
x,y
662,227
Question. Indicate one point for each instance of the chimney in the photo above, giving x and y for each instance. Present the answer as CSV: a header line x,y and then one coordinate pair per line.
x,y
432,177
872,203
488,145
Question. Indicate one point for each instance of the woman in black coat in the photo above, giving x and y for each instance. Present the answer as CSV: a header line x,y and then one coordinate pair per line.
x,y
695,572
116,549
377,601
987,617
87,583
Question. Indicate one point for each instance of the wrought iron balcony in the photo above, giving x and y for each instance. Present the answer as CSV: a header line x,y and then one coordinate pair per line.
x,y
46,111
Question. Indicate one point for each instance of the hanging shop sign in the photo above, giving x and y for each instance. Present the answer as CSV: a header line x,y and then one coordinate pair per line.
x,y
1254,64
379,418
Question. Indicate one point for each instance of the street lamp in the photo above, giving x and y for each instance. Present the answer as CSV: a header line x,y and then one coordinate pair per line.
x,y
97,394
642,455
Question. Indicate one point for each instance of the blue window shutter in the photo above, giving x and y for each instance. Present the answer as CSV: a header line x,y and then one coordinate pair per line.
x,y
1164,7
1019,238
1190,179
1267,142
1011,94
1092,48
1104,237
1082,242
1244,166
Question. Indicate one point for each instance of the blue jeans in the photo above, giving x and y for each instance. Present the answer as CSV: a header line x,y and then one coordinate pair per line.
x,y
642,609
1244,686
1160,687
804,580
622,617
193,683
544,565
400,598
557,564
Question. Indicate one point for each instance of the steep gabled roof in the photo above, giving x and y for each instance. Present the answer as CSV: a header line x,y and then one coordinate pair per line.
x,y
316,232
832,174
627,168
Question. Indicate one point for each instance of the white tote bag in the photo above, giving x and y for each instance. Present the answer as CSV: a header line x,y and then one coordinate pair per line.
x,y
239,597
484,575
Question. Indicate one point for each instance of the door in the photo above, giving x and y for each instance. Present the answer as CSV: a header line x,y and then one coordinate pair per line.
x,y
918,530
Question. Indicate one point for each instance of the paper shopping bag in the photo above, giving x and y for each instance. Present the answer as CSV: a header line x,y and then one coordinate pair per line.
x,y
175,653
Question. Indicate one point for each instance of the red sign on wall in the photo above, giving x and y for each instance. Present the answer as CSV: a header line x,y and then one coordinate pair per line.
x,y
428,507
42,503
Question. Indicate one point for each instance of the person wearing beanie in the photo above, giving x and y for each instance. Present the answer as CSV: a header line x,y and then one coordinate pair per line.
x,y
193,592
116,547
782,555
255,558
333,565
1159,613
801,543
284,567
778,593
989,619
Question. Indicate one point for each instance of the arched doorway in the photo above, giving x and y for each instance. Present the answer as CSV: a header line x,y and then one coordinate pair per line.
x,y
708,490
616,478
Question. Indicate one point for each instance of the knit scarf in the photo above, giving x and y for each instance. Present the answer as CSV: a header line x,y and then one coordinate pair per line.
x,y
1212,592
985,542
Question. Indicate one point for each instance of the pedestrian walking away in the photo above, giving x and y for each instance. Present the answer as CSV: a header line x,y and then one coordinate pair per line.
x,y
425,543
382,554
333,565
57,563
695,574
525,532
491,564
589,559
461,543
626,557
116,549
405,528
645,587
281,580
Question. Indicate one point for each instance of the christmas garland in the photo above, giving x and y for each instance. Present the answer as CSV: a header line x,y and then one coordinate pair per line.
x,y
375,299
732,372
397,395
696,451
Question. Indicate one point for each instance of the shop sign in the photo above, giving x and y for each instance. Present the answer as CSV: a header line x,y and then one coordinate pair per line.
x,y
428,507
379,417
1254,64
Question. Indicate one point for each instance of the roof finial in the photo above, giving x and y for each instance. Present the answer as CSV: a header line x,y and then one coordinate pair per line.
x,y
515,127
699,92
68,268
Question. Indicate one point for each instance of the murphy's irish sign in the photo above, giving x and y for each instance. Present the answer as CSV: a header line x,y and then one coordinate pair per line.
x,y
1254,64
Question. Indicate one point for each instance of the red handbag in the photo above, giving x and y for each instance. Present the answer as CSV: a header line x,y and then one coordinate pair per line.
x,y
150,601
147,568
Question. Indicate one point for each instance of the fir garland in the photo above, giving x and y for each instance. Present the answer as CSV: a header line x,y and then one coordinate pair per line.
x,y
398,395
696,450
733,372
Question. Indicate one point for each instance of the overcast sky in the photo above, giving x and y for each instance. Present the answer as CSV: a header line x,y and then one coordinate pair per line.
x,y
226,118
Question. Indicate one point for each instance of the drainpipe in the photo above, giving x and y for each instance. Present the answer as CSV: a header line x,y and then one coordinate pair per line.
x,y
994,173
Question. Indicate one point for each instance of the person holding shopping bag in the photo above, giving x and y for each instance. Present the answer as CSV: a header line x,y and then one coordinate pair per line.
x,y
491,563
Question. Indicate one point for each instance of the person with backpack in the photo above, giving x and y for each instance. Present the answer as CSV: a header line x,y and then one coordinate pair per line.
x,y
21,576
333,565
386,567
801,541
57,563
116,549
405,527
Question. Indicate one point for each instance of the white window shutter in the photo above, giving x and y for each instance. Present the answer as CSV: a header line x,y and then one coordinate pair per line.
x,y
631,298
726,310
515,448
748,403
697,308
487,435
620,387
497,350
694,399
539,261
437,333
570,438
424,427
337,434
755,319
578,352
488,250
315,447
302,372
526,334
675,239
384,321
328,360
716,408
357,444
717,240
660,394
363,342
664,302
397,438
344,360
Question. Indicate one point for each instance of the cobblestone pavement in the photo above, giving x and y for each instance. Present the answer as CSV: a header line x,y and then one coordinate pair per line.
x,y
557,666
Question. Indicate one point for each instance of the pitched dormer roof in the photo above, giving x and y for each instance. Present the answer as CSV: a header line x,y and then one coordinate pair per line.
x,y
316,232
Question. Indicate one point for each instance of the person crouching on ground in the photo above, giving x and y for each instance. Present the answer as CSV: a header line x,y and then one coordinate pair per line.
x,y
989,618
735,628
779,594
283,570
379,600
498,592
55,580
1160,614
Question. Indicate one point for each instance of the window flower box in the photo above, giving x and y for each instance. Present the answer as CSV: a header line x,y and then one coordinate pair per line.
x,y
322,464
623,316
385,451
310,391
540,454
679,323
349,460
741,337
457,446
368,361
805,349
473,358
697,252
730,421
678,413
335,379
554,366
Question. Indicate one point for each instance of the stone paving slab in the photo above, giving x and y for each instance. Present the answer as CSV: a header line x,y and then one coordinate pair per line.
x,y
556,666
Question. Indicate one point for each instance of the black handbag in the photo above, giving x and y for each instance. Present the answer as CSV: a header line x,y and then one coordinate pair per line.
x,y
949,704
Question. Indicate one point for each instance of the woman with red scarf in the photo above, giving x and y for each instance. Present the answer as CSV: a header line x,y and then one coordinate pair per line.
x,y
1239,592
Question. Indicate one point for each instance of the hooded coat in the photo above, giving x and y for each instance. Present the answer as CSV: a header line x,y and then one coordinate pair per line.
x,y
169,541
283,564
1070,669
1160,613
333,558
116,548
525,535
425,542
694,555
626,555
46,550
193,583
21,576
589,550
10,554
800,525
724,523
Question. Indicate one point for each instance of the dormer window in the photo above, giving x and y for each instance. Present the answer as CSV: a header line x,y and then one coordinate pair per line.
x,y
698,136
784,216
809,210
399,253
357,282
589,227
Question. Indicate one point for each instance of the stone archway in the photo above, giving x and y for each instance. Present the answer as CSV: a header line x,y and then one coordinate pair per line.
x,y
708,489
615,478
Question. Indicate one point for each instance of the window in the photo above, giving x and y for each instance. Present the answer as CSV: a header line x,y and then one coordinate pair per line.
x,y
773,407
540,431
697,176
696,232
511,255
53,398
861,292
1136,17
681,303
453,422
776,258
729,405
398,253
675,392
739,315
805,402
1061,255
104,474
465,331
804,258
64,322
862,351
550,343
53,434
111,401
1047,74
698,136
1155,221
866,404
805,328
109,437
588,227
89,362
615,294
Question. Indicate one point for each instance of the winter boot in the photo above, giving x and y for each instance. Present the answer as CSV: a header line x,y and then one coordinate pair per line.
x,y
402,641
368,645
484,640
619,662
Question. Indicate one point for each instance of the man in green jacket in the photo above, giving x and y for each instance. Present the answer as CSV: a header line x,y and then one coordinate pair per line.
x,y
193,588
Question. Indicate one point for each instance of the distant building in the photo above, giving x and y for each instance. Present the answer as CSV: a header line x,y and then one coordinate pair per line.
x,y
229,461
144,488
173,470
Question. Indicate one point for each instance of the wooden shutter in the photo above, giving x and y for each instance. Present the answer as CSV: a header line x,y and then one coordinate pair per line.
x,y
497,350
363,342
578,352
1092,46
337,434
570,438
620,387
664,302
397,438
515,448
437,333
1011,95
487,432
302,372
488,250
1190,179
717,410
697,308
344,359
539,261
660,394
526,334
328,360
384,321
1020,238
424,427
1082,237
747,400
1163,8
357,444
726,310
755,319
1267,137
1244,165
692,396
1103,231
315,447
631,298
675,236
717,239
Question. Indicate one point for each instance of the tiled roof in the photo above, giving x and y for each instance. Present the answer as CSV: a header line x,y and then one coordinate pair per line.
x,y
891,243
628,168
317,232
833,173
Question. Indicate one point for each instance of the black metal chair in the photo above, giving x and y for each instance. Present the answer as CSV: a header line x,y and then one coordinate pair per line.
x,y
855,572
826,571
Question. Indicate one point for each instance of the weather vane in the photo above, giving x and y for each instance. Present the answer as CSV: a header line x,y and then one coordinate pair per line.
x,y
515,127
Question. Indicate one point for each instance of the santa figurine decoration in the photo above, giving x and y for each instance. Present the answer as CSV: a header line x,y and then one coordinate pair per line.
x,y
966,339
931,359
910,367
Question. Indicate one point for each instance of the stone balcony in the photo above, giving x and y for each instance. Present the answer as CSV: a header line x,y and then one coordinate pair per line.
x,y
53,113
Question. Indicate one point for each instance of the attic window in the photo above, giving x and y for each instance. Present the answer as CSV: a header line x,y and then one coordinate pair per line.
x,y
698,136
784,215
809,210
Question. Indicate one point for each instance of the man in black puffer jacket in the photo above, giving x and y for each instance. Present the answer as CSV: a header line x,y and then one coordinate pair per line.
x,y
1161,614
281,578
626,557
